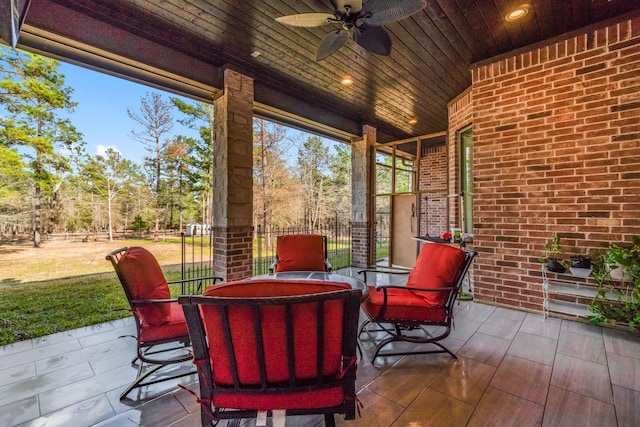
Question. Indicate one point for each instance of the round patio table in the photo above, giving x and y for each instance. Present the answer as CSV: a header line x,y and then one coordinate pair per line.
x,y
317,275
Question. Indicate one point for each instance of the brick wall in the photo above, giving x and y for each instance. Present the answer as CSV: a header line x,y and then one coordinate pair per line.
x,y
556,150
361,244
233,248
434,191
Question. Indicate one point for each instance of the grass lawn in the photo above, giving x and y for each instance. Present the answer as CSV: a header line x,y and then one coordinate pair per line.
x,y
65,285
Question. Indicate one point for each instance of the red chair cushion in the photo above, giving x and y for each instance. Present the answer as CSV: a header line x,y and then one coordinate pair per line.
x,y
436,267
175,327
142,276
401,305
301,400
274,333
300,252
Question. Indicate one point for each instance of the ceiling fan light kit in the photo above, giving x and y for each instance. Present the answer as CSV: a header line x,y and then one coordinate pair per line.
x,y
357,20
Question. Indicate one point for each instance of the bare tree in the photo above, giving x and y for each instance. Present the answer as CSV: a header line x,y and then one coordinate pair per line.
x,y
108,174
156,119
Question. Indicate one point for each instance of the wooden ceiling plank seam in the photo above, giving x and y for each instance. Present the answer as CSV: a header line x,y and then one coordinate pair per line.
x,y
464,40
391,97
562,16
581,12
434,67
469,10
495,23
442,44
599,9
518,31
394,108
395,80
546,24
334,106
291,68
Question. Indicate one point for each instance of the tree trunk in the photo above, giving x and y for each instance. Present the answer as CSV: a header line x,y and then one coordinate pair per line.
x,y
109,198
266,208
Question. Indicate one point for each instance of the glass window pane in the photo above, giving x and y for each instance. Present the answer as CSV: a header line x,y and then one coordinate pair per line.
x,y
466,178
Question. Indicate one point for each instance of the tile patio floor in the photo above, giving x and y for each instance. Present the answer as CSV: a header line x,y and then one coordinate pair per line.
x,y
513,369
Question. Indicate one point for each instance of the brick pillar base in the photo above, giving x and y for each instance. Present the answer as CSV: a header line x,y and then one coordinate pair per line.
x,y
361,255
234,254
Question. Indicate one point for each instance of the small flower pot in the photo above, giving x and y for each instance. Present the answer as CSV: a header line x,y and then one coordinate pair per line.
x,y
580,261
555,266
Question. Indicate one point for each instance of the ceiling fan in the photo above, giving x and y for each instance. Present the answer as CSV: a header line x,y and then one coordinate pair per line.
x,y
359,20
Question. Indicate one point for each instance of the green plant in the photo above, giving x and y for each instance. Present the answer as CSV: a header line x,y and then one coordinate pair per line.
x,y
617,301
553,255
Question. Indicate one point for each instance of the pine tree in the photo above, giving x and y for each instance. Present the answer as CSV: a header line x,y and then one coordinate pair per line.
x,y
33,95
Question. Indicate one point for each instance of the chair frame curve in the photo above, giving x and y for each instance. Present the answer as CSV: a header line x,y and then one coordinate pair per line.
x,y
398,330
210,414
147,352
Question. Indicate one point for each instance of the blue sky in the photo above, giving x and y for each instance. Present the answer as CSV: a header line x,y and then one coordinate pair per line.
x,y
101,114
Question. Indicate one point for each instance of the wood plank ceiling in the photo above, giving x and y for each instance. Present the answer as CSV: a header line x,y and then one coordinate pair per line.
x,y
429,65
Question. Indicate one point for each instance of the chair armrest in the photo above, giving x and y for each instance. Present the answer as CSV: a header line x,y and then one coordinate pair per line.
x,y
383,287
382,271
152,301
197,280
272,267
194,279
328,265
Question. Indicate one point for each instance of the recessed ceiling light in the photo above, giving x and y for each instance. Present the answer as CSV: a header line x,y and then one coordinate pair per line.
x,y
518,13
347,80
413,121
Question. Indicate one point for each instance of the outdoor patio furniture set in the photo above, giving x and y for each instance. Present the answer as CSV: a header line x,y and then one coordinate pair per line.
x,y
284,343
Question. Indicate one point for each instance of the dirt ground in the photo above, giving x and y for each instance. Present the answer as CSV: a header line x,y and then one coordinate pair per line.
x,y
20,262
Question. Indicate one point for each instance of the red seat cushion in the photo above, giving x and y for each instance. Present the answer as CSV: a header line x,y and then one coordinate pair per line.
x,y
401,305
273,332
144,279
437,266
174,327
300,252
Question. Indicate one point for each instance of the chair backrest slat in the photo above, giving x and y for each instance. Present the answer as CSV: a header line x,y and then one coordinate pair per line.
x,y
291,359
289,344
257,328
320,342
231,354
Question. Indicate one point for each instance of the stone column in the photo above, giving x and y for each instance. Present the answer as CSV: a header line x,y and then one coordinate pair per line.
x,y
233,178
362,254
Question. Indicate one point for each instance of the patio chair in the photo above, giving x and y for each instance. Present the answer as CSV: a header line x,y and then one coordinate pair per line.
x,y
274,347
161,331
421,311
301,252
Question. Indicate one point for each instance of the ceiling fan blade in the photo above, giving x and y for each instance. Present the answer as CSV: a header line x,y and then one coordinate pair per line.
x,y
331,43
306,19
341,6
380,12
373,39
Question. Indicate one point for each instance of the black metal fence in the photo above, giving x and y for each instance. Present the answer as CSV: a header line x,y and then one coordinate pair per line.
x,y
338,244
197,250
197,261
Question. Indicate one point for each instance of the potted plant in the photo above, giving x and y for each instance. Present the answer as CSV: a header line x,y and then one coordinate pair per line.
x,y
581,265
581,261
553,253
618,297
